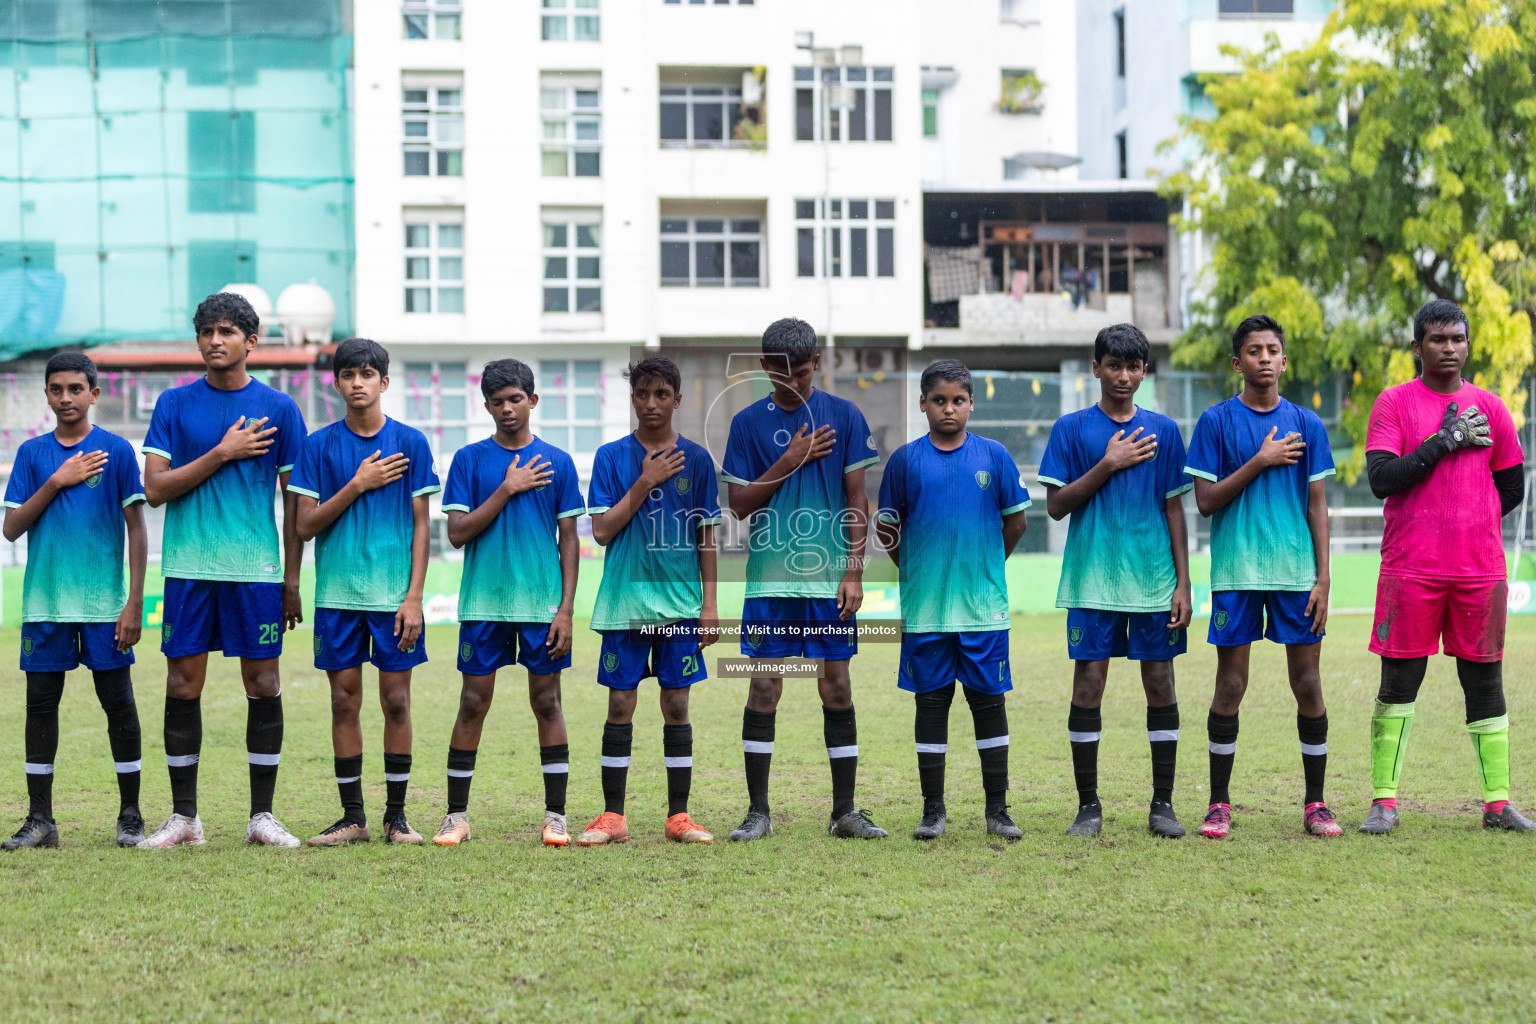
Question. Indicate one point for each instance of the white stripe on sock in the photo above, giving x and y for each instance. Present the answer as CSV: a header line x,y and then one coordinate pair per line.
x,y
342,782
39,769
557,768
123,767
265,760
757,746
932,748
992,741
397,776
1313,749
836,752
461,773
1223,748
180,760
1082,737
615,762
1162,735
679,762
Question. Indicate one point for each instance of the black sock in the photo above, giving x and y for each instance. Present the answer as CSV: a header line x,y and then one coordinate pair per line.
x,y
555,762
842,735
183,744
114,688
397,778
1083,728
461,771
42,739
757,752
617,739
677,750
1163,738
349,783
1313,733
1222,730
930,729
264,748
989,712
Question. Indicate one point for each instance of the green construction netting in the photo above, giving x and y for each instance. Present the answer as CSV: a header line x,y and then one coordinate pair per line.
x,y
153,152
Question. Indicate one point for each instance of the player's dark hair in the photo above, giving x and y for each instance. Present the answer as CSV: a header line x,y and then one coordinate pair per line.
x,y
658,368
356,353
506,373
1123,341
70,362
952,370
1256,324
226,306
793,338
1438,313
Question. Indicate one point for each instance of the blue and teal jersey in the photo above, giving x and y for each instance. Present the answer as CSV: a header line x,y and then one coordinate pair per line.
x,y
512,569
950,506
75,549
1261,540
651,567
363,559
225,528
799,544
1119,556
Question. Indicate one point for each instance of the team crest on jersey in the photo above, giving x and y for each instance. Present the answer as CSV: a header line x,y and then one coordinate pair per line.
x,y
26,646
466,652
165,632
1221,620
1381,631
1074,636
983,478
754,637
1173,637
319,643
92,481
871,442
610,661
683,483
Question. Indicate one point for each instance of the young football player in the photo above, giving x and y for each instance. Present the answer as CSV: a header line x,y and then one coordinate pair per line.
x,y
363,484
215,451
654,506
512,502
1259,463
794,468
951,510
72,492
1118,471
1445,455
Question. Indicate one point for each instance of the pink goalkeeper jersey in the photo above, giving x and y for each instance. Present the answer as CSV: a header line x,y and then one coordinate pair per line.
x,y
1446,526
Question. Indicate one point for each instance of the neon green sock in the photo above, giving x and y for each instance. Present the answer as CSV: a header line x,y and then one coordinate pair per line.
x,y
1390,726
1490,741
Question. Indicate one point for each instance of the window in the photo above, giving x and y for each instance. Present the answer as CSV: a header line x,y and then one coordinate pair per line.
x,y
434,130
1021,91
1122,156
1120,43
570,19
573,266
838,104
712,3
437,401
432,19
930,113
711,252
434,263
1255,8
699,115
572,129
221,161
845,237
571,404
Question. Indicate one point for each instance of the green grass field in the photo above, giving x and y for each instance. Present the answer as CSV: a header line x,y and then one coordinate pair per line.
x,y
1433,923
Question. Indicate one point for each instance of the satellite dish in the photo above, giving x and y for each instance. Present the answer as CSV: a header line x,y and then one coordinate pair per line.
x,y
306,312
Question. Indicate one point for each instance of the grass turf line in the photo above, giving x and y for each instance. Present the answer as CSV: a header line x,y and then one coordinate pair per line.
x,y
1435,922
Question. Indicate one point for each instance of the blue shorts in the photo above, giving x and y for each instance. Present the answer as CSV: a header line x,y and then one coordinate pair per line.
x,y
675,661
930,661
797,627
345,638
1096,635
65,646
1238,617
485,647
242,620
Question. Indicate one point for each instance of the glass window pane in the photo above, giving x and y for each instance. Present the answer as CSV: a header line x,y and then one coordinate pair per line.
x,y
586,99
418,300
418,405
709,227
418,268
451,439
710,258
450,127
585,440
450,300
805,110
805,75
450,236
856,74
708,122
858,252
882,115
551,99
834,255
450,97
553,163
885,74
746,227
555,5
744,263
885,209
588,236
450,268
858,209
587,268
557,300
586,5
415,26
674,122
418,374
587,164
417,162
586,373
447,26
587,129
414,97
586,407
805,242
586,29
416,236
674,226
885,252
554,28
415,128
805,209
453,406
552,407
450,163
554,131
554,236
674,263
555,268
858,117
589,300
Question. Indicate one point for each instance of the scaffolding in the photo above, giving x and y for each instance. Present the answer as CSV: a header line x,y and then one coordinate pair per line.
x,y
154,151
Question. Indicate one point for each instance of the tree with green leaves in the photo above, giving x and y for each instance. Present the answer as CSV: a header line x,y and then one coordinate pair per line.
x,y
1346,183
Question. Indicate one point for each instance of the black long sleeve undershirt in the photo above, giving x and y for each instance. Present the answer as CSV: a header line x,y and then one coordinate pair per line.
x,y
1392,474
